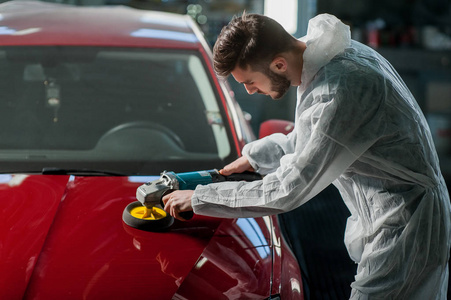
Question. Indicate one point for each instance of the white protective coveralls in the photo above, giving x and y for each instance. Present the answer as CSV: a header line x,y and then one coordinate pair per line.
x,y
356,126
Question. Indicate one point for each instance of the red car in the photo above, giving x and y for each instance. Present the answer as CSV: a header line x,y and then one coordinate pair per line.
x,y
96,101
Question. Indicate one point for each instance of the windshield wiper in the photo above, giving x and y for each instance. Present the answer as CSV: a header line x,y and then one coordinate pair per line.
x,y
79,172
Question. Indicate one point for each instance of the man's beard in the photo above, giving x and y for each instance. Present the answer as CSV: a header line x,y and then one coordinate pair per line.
x,y
279,84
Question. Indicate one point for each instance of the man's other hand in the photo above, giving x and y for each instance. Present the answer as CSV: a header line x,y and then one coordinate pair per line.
x,y
238,166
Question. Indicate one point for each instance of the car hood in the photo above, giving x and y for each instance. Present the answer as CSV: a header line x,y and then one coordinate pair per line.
x,y
63,238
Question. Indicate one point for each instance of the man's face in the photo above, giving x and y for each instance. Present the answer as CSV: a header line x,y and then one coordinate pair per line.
x,y
270,84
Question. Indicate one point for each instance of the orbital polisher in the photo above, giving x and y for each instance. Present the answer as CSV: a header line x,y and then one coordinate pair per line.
x,y
148,214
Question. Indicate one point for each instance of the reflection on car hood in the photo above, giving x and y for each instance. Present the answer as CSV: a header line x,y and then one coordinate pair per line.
x,y
63,238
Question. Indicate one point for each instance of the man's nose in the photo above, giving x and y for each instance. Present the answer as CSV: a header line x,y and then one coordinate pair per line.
x,y
250,89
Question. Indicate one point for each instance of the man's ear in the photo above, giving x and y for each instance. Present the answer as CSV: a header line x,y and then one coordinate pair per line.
x,y
279,65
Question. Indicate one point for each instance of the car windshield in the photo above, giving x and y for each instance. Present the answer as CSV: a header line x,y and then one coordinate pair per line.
x,y
132,111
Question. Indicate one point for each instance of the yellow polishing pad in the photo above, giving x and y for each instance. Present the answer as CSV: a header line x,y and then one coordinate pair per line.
x,y
144,213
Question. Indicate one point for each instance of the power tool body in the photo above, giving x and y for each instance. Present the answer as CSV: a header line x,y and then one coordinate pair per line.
x,y
150,195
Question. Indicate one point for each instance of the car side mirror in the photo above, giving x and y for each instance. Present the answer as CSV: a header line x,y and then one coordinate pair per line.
x,y
275,126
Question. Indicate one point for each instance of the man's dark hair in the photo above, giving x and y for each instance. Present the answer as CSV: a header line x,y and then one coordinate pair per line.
x,y
250,40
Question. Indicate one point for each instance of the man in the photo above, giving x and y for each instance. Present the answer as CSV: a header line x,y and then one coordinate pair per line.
x,y
356,126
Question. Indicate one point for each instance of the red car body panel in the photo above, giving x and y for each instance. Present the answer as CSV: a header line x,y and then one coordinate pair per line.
x,y
62,237
28,205
91,254
53,24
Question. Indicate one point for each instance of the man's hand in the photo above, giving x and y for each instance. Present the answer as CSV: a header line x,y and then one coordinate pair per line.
x,y
238,166
177,202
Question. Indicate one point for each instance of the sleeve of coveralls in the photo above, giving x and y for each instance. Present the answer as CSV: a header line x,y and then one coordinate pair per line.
x,y
264,154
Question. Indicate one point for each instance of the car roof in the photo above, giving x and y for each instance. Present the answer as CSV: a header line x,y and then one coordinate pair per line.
x,y
41,23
